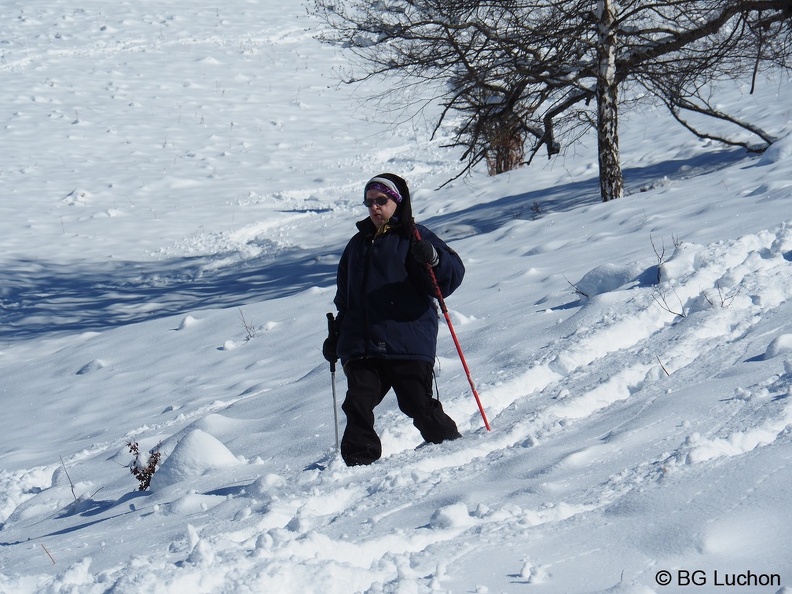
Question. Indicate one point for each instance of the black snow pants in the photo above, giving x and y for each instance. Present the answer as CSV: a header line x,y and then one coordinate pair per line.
x,y
369,380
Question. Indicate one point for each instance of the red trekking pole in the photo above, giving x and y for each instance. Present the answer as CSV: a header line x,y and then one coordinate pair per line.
x,y
444,309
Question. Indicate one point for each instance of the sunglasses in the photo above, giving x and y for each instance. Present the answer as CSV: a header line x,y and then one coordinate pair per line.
x,y
379,201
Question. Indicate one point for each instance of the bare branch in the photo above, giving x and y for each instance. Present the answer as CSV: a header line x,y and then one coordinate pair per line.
x,y
661,300
679,103
68,477
250,329
516,76
663,366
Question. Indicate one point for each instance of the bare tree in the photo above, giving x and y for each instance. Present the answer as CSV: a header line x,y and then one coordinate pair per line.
x,y
520,75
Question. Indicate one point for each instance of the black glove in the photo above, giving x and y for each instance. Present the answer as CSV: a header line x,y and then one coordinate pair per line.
x,y
329,346
329,349
425,253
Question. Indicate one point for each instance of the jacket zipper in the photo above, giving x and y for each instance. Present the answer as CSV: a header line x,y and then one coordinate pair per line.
x,y
364,285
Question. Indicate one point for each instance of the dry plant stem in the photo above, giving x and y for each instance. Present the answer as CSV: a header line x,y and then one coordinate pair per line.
x,y
68,477
250,330
574,286
141,473
48,554
663,303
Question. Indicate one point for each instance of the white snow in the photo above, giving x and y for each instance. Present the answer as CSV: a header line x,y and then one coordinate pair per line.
x,y
177,183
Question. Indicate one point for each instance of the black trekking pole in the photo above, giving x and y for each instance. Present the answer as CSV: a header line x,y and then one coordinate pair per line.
x,y
330,333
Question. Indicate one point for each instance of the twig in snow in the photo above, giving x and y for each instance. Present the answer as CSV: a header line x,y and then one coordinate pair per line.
x,y
725,300
574,286
70,481
250,329
663,303
48,553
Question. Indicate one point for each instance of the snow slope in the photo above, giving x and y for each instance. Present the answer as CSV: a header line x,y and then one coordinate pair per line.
x,y
176,187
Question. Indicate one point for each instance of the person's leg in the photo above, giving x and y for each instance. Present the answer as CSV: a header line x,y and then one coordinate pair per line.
x,y
412,382
365,390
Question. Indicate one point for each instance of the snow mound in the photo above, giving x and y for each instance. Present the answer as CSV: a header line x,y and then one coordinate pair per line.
x,y
196,454
455,515
94,365
781,345
604,279
779,151
187,322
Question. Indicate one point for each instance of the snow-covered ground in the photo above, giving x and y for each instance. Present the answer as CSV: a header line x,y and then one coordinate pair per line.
x,y
176,185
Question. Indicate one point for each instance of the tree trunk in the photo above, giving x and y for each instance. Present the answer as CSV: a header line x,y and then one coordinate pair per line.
x,y
505,144
610,173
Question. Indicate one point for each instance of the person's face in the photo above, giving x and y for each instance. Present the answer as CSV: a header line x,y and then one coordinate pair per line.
x,y
380,214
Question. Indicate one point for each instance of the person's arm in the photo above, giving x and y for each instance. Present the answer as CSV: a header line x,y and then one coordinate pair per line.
x,y
444,261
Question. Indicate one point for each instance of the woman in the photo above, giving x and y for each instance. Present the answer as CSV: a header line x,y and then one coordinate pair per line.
x,y
386,327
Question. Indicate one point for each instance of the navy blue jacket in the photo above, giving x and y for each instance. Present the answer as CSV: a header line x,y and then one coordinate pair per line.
x,y
385,299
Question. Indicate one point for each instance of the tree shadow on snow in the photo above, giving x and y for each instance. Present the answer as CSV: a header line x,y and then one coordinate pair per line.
x,y
40,298
532,205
